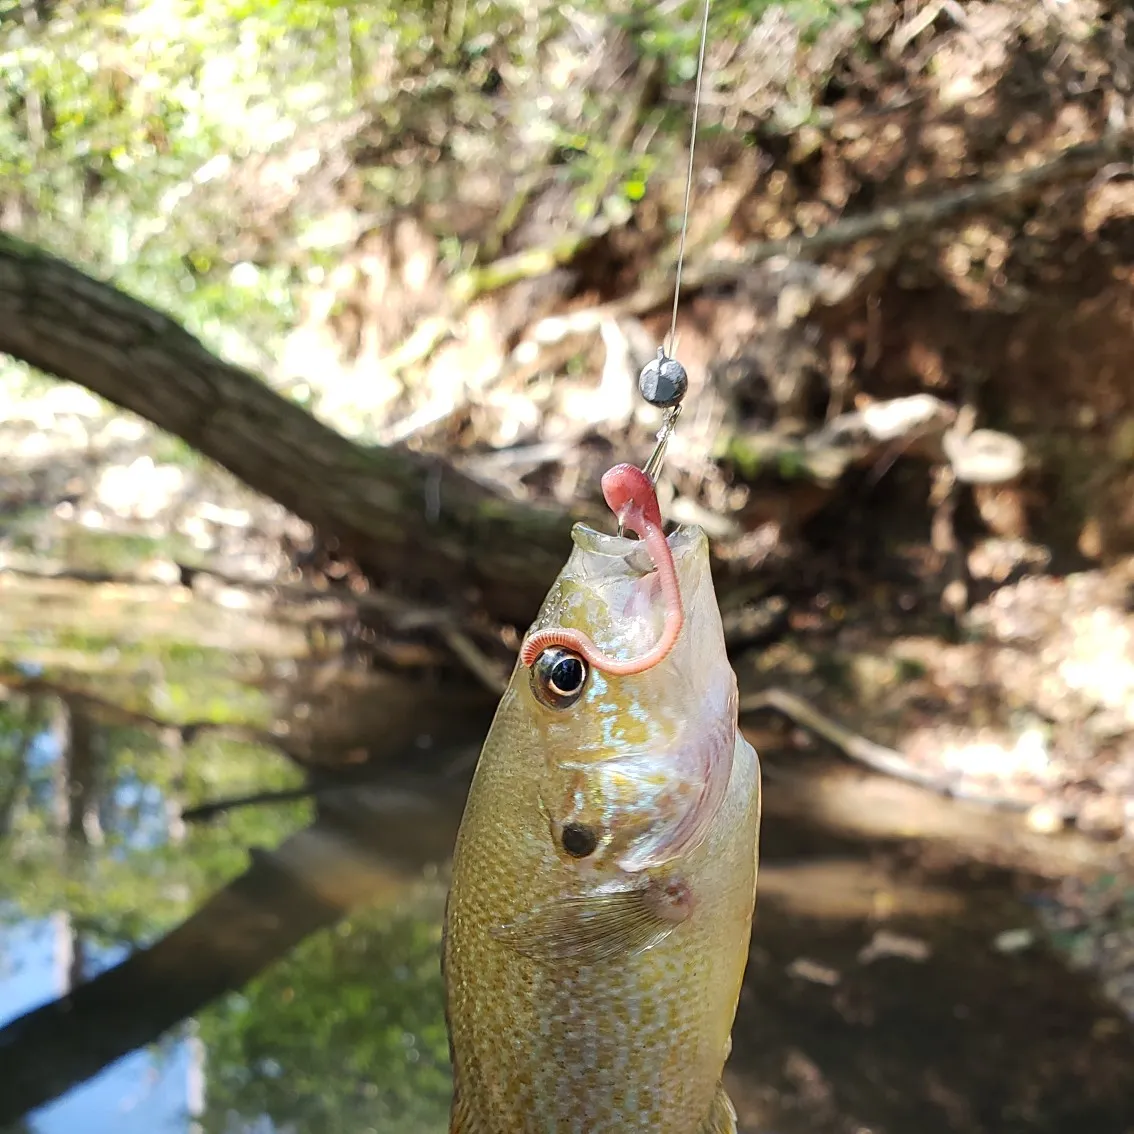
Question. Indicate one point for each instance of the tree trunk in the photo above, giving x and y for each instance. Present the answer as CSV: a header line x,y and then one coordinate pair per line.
x,y
404,516
14,779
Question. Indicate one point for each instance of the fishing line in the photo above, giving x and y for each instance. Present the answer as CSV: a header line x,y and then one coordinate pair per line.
x,y
664,381
689,174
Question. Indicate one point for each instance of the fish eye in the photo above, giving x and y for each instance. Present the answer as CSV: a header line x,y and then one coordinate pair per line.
x,y
558,677
578,841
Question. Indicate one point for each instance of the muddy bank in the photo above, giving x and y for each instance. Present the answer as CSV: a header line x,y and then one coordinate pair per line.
x,y
934,1005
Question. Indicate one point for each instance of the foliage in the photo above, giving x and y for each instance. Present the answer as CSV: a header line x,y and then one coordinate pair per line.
x,y
126,111
346,1034
675,37
127,121
156,144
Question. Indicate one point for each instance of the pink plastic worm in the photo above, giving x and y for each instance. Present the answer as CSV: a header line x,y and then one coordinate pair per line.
x,y
630,494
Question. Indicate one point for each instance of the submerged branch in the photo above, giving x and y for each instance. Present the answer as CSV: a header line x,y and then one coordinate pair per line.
x,y
401,613
203,812
877,757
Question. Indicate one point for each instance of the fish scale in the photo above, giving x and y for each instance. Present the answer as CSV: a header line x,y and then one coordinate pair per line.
x,y
573,1004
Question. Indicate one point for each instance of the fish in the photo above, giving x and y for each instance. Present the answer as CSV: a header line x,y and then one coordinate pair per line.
x,y
603,882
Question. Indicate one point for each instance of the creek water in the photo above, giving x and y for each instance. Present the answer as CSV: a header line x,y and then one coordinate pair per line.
x,y
891,989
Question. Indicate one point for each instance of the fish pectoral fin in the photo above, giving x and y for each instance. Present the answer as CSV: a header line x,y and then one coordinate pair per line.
x,y
588,928
458,1118
722,1115
461,1119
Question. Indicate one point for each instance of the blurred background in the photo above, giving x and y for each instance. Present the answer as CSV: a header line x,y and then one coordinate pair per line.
x,y
248,653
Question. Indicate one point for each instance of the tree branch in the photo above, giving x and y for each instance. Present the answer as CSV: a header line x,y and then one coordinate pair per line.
x,y
877,757
908,217
401,514
899,222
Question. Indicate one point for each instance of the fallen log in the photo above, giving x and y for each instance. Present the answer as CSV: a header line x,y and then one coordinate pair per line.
x,y
402,515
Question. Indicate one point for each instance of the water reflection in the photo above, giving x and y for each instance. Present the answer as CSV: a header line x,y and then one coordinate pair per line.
x,y
147,1091
347,1034
276,968
93,771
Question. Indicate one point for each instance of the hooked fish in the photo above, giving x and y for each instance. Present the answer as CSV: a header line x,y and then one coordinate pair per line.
x,y
604,876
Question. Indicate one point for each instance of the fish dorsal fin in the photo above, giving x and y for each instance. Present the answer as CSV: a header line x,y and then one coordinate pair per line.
x,y
722,1115
584,929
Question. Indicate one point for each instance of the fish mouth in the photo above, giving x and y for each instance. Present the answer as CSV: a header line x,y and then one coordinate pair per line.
x,y
609,589
660,747
683,541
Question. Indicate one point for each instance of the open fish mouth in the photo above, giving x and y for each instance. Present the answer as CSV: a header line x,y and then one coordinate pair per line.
x,y
611,590
632,552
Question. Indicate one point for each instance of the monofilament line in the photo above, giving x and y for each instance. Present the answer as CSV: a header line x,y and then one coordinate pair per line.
x,y
664,382
689,177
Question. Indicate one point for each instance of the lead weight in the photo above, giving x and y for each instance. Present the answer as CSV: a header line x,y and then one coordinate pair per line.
x,y
663,381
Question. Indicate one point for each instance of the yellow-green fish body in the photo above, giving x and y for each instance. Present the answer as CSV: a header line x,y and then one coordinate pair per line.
x,y
604,877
